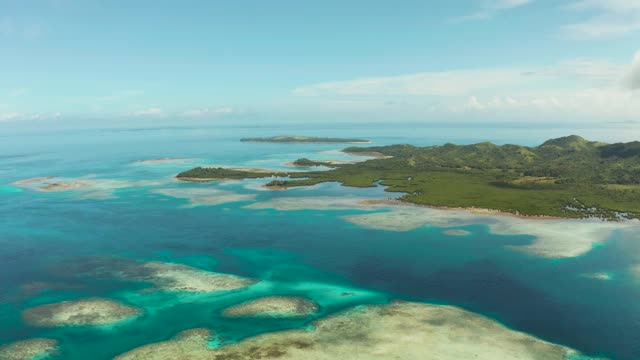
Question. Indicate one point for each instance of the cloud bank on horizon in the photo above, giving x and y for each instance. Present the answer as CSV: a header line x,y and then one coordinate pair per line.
x,y
501,60
581,88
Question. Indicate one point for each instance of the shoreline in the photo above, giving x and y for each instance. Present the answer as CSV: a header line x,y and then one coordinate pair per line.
x,y
192,179
471,210
330,162
167,160
371,154
254,170
245,169
308,142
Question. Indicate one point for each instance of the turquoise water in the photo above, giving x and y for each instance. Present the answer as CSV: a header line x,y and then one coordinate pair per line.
x,y
51,237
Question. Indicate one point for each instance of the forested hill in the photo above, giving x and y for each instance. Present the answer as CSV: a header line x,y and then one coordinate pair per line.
x,y
565,177
570,159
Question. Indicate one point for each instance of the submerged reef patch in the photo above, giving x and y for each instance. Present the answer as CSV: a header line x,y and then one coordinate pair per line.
x,y
164,276
79,313
274,306
30,349
395,331
177,277
313,203
189,344
204,196
87,187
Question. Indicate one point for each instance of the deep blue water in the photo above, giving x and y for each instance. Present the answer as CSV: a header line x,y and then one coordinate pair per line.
x,y
49,236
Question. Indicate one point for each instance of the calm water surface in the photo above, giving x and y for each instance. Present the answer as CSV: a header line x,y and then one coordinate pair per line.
x,y
312,253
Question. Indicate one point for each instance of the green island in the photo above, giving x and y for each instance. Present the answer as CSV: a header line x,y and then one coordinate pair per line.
x,y
302,139
568,177
306,163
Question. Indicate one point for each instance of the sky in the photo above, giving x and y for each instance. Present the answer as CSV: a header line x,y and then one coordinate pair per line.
x,y
515,61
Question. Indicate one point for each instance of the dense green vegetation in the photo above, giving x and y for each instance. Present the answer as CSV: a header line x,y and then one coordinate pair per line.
x,y
213,173
304,162
566,177
302,139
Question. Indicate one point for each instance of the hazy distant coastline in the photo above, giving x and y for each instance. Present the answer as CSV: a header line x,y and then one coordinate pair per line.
x,y
304,139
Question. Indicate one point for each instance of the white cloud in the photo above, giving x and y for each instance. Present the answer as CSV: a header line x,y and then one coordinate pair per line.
x,y
18,92
18,116
226,110
465,82
633,76
10,116
576,89
606,5
149,112
590,69
474,104
602,103
490,8
446,83
606,19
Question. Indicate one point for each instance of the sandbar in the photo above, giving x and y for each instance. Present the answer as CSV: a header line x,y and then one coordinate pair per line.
x,y
79,313
204,196
64,186
605,276
85,187
455,232
34,180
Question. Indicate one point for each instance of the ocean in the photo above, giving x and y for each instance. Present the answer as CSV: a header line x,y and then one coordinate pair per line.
x,y
134,210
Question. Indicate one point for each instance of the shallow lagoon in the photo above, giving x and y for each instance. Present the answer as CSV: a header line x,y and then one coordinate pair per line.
x,y
47,237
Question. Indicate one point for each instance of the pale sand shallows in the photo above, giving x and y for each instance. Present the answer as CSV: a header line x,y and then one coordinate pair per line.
x,y
31,349
274,306
456,232
79,312
401,331
33,180
204,196
598,276
53,184
554,238
85,187
64,186
312,202
635,270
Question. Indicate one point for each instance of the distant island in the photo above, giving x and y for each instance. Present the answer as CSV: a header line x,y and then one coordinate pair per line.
x,y
303,139
568,177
